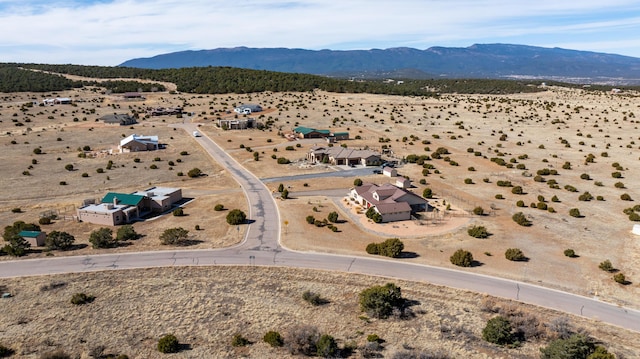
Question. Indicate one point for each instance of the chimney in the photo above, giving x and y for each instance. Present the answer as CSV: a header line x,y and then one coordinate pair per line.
x,y
115,201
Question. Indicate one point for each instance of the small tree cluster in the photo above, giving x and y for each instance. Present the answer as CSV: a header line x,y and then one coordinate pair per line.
x,y
514,254
575,346
462,258
478,232
391,247
239,341
103,238
174,236
168,344
273,338
498,331
521,219
236,217
380,301
59,240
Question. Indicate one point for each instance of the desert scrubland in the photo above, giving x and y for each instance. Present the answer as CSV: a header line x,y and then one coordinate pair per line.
x,y
565,148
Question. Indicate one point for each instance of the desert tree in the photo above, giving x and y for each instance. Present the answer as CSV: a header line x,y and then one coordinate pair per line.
x,y
174,236
59,240
236,217
103,238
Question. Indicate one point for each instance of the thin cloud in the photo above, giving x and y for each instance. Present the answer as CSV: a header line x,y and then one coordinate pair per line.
x,y
110,32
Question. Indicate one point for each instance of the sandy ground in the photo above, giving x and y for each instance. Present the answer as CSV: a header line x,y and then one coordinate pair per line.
x,y
205,307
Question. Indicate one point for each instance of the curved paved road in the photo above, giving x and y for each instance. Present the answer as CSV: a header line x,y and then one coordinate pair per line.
x,y
261,247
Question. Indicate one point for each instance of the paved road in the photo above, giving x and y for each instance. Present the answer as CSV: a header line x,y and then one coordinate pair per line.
x,y
261,247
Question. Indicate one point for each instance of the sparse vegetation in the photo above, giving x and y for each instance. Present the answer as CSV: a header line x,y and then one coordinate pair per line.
x,y
168,344
462,258
380,301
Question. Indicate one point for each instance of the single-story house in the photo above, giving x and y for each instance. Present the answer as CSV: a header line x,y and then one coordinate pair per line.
x,y
118,119
237,123
132,95
343,156
56,101
135,143
247,109
121,208
307,132
35,238
391,202
162,111
162,198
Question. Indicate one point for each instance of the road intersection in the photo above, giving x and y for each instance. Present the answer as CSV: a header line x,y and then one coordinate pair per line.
x,y
261,247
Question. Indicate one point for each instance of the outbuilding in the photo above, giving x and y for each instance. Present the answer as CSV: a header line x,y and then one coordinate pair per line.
x,y
35,238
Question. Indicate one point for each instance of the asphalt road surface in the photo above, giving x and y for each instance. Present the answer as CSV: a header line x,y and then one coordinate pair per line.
x,y
261,247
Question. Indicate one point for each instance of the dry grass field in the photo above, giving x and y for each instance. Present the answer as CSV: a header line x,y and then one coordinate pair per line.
x,y
205,307
530,132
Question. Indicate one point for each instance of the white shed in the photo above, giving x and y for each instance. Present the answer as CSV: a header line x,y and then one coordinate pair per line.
x,y
389,172
636,229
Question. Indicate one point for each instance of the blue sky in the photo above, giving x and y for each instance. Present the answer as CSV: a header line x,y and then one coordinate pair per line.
x,y
109,32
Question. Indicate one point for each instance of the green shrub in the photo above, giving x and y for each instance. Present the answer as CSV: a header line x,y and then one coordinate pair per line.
x,y
517,190
478,232
585,197
498,331
44,220
468,181
616,175
357,182
380,301
374,338
127,233
585,176
273,338
391,247
542,206
68,167
478,211
555,199
625,197
618,185
81,298
236,217
606,266
103,238
570,253
574,212
219,207
174,236
178,212
59,240
326,346
521,219
239,341
153,167
283,161
499,196
514,254
194,172
462,258
576,346
332,217
620,278
168,344
520,203
427,193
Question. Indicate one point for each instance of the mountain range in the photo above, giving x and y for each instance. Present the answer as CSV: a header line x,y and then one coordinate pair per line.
x,y
497,61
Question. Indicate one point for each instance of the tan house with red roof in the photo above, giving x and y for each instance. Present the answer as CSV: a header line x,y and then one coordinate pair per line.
x,y
391,202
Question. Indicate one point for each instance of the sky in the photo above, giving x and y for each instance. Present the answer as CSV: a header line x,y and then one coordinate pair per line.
x,y
109,32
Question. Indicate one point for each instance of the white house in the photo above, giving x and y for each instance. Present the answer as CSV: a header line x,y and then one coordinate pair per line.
x,y
135,143
247,109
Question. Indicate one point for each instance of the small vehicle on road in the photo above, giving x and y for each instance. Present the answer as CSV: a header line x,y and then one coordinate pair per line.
x,y
377,171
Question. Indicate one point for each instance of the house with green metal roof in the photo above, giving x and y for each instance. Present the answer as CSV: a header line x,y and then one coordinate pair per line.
x,y
308,132
35,238
122,198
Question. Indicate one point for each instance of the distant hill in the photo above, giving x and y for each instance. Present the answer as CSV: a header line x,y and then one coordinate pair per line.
x,y
496,61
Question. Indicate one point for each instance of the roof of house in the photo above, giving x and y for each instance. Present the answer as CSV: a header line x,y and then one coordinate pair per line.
x,y
117,118
341,133
138,138
344,152
29,234
390,196
123,198
307,130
